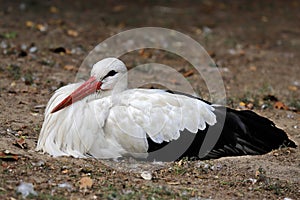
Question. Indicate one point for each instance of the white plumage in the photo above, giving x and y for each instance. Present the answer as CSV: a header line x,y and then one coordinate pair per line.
x,y
103,119
111,121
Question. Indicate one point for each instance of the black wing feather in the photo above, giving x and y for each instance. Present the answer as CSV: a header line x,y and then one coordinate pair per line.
x,y
244,133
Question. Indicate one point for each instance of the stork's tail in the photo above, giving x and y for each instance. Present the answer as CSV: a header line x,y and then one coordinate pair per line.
x,y
247,133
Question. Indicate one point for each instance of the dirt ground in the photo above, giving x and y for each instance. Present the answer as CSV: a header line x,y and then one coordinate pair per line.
x,y
256,45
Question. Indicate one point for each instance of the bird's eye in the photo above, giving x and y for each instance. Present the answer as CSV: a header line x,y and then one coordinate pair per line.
x,y
111,73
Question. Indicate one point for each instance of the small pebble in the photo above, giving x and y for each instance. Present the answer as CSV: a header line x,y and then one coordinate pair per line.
x,y
22,6
264,106
24,47
297,83
68,186
218,166
6,151
39,163
3,45
206,30
33,49
26,189
252,180
146,175
206,166
290,116
41,106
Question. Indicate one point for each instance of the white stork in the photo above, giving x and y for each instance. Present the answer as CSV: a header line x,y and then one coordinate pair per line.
x,y
103,119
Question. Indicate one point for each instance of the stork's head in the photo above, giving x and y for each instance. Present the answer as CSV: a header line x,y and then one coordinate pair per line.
x,y
108,72
107,75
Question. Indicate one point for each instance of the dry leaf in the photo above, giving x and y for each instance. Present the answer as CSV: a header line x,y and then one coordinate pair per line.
x,y
29,24
85,182
68,51
65,171
257,173
250,106
56,22
188,73
6,155
70,67
173,81
242,52
211,53
264,19
41,27
144,54
292,88
242,104
252,68
72,33
119,8
121,25
21,143
180,162
13,84
280,105
53,9
173,183
275,154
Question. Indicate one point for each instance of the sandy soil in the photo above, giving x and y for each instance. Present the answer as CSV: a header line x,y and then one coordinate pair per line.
x,y
255,44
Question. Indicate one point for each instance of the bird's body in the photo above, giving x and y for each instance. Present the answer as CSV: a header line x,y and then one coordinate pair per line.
x,y
104,119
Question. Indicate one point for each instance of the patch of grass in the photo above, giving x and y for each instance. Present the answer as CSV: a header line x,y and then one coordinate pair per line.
x,y
14,71
46,196
152,192
249,97
28,78
9,35
145,190
37,128
159,191
262,98
230,101
178,170
2,192
213,65
269,184
230,42
277,188
229,183
295,103
266,88
47,62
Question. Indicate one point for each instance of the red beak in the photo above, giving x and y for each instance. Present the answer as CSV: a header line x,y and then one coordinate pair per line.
x,y
87,88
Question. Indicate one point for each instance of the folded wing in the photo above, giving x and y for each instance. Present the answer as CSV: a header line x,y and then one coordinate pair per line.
x,y
161,116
